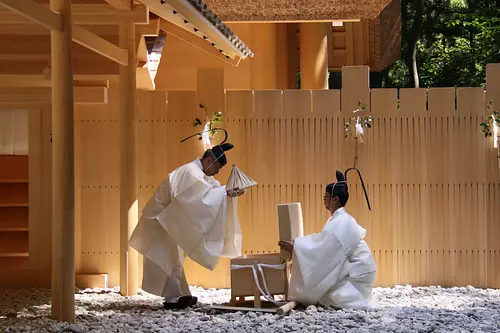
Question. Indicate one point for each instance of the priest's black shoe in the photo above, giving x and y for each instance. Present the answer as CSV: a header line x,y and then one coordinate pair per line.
x,y
183,302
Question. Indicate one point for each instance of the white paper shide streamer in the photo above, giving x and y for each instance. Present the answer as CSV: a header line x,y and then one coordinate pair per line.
x,y
495,132
359,129
205,137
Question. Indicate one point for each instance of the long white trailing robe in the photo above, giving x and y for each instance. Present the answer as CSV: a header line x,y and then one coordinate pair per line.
x,y
256,269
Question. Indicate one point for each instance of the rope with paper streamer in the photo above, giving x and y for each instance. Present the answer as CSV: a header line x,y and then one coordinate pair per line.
x,y
256,270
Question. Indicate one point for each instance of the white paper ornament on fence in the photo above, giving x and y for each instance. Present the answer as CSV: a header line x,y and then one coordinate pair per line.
x,y
237,179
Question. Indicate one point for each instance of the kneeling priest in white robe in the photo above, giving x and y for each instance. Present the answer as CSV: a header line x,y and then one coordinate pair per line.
x,y
191,215
334,267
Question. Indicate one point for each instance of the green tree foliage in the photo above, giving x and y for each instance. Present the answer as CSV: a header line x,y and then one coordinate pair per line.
x,y
448,45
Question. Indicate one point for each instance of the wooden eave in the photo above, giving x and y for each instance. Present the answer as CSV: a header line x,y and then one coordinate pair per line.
x,y
25,38
194,17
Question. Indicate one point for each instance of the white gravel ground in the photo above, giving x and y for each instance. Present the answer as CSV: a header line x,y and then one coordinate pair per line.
x,y
400,309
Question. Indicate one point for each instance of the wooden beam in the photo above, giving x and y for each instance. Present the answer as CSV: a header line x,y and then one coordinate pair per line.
x,y
12,80
43,95
32,45
91,69
24,106
52,21
40,81
128,164
196,41
33,29
142,51
99,45
120,4
63,171
144,81
91,83
35,12
86,14
150,29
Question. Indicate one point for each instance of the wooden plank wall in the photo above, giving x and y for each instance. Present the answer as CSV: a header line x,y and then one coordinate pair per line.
x,y
431,175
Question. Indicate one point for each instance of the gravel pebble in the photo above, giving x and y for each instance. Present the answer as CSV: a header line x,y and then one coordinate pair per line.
x,y
402,309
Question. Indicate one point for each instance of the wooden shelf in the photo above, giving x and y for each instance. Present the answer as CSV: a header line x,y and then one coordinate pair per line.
x,y
13,223
13,181
13,255
14,204
14,229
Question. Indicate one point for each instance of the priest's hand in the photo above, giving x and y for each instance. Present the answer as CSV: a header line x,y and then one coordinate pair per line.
x,y
235,192
286,245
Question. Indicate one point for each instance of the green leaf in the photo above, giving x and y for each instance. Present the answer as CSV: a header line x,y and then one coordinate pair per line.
x,y
201,106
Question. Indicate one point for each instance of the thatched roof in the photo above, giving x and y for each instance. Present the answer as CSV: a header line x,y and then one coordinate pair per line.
x,y
385,37
295,10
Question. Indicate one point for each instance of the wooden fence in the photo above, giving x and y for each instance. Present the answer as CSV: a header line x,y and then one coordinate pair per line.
x,y
432,177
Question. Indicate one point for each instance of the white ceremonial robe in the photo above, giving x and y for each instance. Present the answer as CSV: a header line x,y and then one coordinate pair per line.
x,y
189,215
334,267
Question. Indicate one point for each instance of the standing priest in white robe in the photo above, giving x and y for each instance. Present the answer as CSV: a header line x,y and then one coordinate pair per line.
x,y
334,267
191,215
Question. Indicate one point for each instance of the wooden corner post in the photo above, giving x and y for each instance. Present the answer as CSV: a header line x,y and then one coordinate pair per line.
x,y
63,179
128,162
314,55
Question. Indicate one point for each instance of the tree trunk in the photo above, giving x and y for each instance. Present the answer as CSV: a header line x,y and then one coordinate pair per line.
x,y
413,37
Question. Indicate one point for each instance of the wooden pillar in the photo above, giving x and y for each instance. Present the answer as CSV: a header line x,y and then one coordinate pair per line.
x,y
63,179
128,163
314,55
292,55
263,64
281,56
